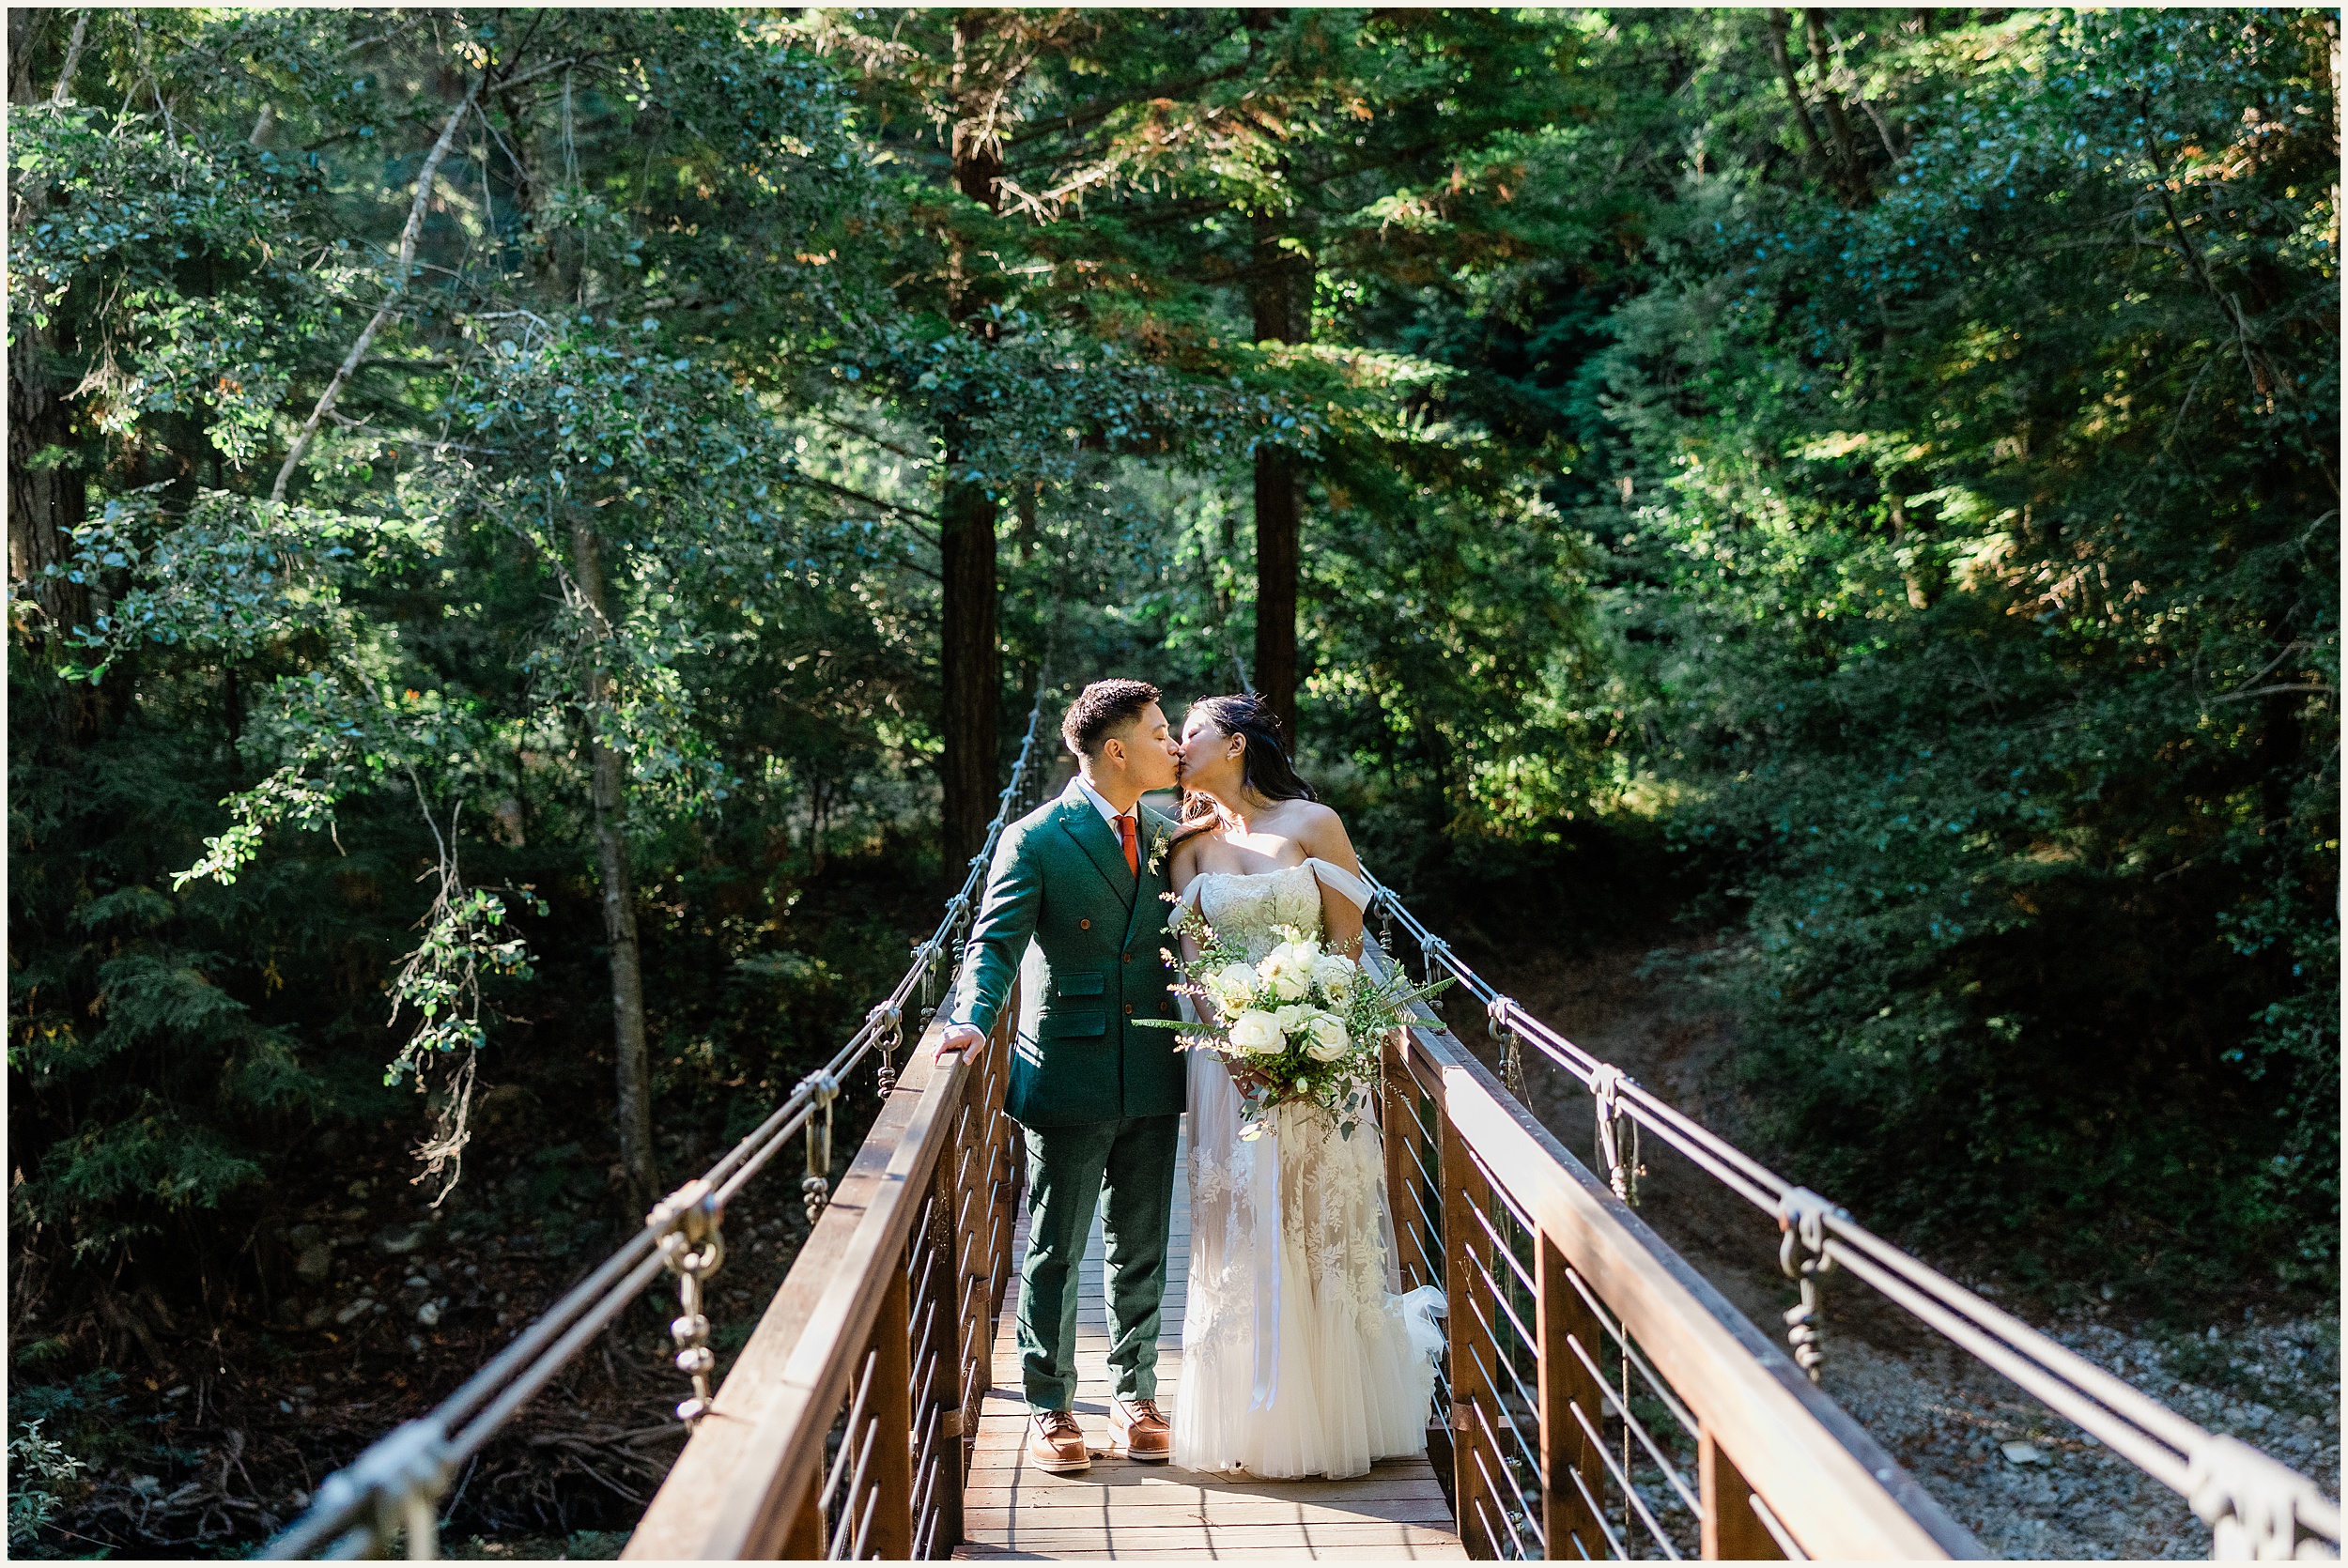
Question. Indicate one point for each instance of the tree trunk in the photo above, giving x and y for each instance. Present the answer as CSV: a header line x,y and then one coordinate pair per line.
x,y
631,1063
971,665
1282,297
969,661
46,496
1793,90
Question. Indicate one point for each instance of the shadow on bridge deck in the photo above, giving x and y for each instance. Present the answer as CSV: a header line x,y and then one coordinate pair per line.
x,y
1119,1508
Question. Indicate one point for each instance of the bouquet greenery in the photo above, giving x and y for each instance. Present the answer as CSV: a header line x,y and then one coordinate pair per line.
x,y
1300,1024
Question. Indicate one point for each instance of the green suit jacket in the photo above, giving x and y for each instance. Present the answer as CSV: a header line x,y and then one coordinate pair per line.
x,y
1060,879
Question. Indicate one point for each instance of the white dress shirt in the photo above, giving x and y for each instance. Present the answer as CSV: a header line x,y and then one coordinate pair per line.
x,y
1109,813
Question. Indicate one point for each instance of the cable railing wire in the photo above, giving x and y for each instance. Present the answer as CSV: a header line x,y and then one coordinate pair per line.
x,y
396,1485
2256,1506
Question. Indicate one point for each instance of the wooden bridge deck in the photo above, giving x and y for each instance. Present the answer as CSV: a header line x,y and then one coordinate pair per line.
x,y
1119,1508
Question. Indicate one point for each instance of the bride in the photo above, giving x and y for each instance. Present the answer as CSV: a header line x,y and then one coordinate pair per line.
x,y
1300,1358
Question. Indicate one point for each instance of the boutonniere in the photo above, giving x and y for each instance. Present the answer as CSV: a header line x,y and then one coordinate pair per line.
x,y
1158,844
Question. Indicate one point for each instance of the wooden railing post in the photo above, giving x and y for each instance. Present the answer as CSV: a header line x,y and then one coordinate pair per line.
x,y
891,1480
1398,1115
1566,1522
1732,1532
944,1404
1468,1307
803,1535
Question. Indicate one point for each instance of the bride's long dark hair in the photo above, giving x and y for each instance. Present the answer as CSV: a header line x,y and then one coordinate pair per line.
x,y
1264,765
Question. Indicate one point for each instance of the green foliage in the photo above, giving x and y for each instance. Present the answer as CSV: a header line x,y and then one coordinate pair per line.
x,y
37,1469
1998,648
1932,533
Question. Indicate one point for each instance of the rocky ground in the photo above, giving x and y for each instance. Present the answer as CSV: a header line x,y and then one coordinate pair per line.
x,y
2026,1481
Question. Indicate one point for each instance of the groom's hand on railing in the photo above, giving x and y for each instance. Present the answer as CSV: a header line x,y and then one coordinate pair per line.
x,y
960,1036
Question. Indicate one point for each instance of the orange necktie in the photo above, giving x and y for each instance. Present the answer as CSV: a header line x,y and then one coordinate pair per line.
x,y
1125,834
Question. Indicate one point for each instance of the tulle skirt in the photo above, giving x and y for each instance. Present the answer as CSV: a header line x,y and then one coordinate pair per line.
x,y
1300,1354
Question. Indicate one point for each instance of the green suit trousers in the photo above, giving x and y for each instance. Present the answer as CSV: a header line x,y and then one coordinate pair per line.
x,y
1124,1170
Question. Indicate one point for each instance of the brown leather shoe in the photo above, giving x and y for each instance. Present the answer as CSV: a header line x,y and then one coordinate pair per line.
x,y
1139,1431
1056,1443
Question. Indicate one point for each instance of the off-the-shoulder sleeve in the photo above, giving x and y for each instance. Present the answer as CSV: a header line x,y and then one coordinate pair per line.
x,y
1187,898
1340,882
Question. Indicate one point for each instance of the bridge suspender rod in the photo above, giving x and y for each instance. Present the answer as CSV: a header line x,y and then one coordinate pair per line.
x,y
395,1487
2255,1506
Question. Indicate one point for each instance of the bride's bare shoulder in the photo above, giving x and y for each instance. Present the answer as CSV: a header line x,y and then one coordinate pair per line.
x,y
1321,832
1308,820
1189,856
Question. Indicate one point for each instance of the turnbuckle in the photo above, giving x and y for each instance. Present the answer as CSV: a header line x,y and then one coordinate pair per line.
x,y
1802,1215
1607,1084
815,1187
1511,1046
692,1245
888,1022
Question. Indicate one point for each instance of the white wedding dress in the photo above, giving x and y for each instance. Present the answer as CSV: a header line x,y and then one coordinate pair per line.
x,y
1301,1356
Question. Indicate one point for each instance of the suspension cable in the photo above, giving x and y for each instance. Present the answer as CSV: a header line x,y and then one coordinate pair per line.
x,y
2251,1501
396,1485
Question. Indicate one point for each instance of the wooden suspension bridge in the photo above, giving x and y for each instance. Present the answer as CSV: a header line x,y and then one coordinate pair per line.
x,y
1598,1397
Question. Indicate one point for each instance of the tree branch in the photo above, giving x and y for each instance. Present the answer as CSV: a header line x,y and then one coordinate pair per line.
x,y
1854,178
881,441
72,58
1103,109
408,238
860,495
1793,85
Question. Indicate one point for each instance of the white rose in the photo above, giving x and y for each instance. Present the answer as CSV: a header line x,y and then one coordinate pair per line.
x,y
1326,1038
1287,973
1232,985
1257,1034
1333,973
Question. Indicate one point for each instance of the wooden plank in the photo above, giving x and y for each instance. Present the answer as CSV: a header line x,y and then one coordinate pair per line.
x,y
1144,1538
1732,1531
984,1523
1126,1480
1464,1192
892,1475
1119,1509
1213,1552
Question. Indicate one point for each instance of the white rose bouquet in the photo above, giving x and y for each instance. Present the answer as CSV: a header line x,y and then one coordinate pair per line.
x,y
1300,1024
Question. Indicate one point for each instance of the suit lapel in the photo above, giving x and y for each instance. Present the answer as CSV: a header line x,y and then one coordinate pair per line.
x,y
1084,824
1153,830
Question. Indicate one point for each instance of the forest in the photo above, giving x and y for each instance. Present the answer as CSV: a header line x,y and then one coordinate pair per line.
x,y
533,532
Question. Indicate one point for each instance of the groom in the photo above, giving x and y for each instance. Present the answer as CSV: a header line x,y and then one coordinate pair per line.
x,y
1099,1098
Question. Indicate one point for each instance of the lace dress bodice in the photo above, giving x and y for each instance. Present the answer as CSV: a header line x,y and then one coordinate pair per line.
x,y
1250,907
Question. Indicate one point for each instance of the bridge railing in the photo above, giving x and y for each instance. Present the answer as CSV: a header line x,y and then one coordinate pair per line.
x,y
2256,1507
1598,1398
392,1493
844,1430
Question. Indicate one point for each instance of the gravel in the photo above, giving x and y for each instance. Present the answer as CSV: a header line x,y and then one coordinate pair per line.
x,y
1950,1420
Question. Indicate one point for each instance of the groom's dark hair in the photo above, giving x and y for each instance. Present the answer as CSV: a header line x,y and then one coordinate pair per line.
x,y
1102,709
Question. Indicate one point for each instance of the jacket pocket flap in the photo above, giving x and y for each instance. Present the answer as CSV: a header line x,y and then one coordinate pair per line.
x,y
1080,983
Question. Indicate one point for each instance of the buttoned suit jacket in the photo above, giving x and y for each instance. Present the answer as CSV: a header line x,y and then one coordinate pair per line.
x,y
1058,881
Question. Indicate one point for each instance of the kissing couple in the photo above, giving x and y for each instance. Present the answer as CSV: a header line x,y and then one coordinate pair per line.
x,y
1301,1355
